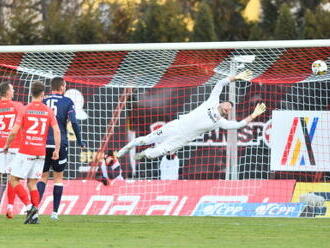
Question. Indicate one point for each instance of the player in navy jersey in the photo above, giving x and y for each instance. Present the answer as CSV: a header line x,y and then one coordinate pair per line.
x,y
63,108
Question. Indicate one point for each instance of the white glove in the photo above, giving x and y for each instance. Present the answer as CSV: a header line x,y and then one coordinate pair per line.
x,y
259,109
244,75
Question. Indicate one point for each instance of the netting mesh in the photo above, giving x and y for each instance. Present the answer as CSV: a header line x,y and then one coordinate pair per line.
x,y
120,95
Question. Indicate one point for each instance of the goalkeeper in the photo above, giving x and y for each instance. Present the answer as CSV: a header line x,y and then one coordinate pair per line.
x,y
208,116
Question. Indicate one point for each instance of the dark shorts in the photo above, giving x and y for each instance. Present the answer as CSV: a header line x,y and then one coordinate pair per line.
x,y
57,165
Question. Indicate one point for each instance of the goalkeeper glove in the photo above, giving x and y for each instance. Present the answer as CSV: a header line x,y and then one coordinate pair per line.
x,y
244,75
259,109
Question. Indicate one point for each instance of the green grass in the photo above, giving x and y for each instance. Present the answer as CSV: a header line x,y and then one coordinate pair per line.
x,y
164,231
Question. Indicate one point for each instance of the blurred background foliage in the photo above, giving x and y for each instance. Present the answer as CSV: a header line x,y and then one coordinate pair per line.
x,y
28,22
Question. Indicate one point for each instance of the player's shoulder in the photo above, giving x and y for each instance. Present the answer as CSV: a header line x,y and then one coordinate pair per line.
x,y
48,109
9,102
19,107
60,97
68,100
12,105
53,96
37,106
18,104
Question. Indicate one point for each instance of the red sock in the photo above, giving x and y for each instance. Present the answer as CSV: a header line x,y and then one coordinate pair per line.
x,y
22,194
34,197
10,194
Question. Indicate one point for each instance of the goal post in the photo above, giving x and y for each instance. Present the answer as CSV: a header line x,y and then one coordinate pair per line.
x,y
237,62
122,91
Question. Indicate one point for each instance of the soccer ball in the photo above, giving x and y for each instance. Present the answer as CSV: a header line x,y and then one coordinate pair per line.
x,y
319,67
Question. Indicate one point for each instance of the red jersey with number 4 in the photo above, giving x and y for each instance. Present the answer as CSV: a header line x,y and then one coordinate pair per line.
x,y
35,122
9,110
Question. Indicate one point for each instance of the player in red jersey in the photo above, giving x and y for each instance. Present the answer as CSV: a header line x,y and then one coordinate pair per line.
x,y
34,123
8,112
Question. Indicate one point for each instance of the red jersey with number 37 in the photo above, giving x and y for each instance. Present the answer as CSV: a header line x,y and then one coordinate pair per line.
x,y
35,122
9,110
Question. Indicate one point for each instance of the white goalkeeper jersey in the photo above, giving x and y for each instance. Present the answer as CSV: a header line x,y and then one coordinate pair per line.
x,y
206,117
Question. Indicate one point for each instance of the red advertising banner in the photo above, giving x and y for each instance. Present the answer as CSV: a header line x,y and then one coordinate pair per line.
x,y
157,197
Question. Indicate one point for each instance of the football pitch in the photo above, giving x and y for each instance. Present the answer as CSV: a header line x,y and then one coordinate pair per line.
x,y
164,231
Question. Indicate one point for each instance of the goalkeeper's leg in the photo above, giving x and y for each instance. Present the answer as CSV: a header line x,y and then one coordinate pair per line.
x,y
150,153
156,136
136,142
169,146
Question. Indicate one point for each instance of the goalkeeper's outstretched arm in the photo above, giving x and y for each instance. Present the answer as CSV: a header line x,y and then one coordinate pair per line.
x,y
259,109
216,91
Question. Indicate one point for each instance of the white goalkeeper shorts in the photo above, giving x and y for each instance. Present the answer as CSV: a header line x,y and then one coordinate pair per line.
x,y
6,158
168,131
27,166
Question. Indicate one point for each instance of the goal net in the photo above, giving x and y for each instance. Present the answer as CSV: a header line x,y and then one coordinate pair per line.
x,y
275,166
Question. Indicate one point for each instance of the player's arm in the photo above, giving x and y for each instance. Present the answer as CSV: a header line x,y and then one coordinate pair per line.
x,y
12,136
77,132
245,75
76,127
217,89
57,140
57,134
259,109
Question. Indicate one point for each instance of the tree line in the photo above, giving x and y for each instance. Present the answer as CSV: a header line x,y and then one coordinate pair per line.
x,y
28,22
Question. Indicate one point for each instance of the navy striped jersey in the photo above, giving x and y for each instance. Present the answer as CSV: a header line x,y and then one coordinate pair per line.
x,y
63,108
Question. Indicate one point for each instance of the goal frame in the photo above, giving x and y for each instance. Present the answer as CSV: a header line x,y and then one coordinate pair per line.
x,y
167,46
230,178
231,160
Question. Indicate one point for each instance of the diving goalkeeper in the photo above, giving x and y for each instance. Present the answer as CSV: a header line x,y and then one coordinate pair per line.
x,y
208,116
